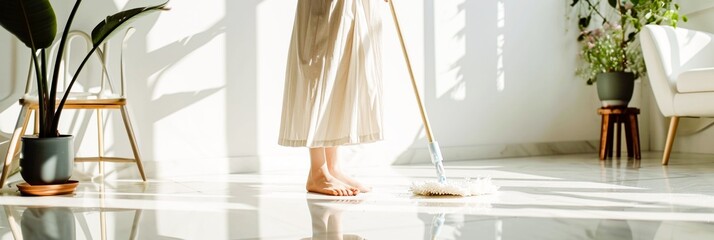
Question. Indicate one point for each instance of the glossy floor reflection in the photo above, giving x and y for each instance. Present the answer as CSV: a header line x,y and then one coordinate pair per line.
x,y
550,197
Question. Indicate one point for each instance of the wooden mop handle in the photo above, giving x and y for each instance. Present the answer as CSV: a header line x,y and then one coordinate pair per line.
x,y
424,118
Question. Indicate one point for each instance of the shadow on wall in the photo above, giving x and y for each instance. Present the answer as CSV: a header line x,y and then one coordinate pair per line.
x,y
146,76
492,91
152,68
446,49
236,138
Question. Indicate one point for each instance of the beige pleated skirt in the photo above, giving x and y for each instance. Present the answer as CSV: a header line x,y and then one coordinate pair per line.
x,y
333,83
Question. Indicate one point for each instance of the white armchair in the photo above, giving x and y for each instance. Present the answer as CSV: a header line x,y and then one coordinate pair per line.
x,y
680,66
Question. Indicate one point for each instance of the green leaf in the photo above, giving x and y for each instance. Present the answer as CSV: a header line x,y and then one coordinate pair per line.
x,y
584,22
106,28
634,13
631,36
31,21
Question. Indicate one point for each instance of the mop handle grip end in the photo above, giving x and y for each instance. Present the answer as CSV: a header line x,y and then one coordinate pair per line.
x,y
435,152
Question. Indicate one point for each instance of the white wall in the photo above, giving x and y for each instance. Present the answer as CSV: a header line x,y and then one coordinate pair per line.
x,y
206,83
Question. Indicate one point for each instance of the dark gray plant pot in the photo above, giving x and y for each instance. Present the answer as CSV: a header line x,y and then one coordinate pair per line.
x,y
615,88
47,160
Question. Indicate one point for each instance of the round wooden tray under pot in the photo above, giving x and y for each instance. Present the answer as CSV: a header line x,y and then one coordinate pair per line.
x,y
47,190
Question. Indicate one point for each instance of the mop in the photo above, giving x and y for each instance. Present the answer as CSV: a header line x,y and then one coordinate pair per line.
x,y
442,186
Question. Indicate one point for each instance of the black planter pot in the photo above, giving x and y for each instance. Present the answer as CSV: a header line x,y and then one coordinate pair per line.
x,y
47,160
615,88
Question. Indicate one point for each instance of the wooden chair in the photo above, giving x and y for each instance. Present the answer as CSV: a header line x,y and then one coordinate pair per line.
x,y
105,99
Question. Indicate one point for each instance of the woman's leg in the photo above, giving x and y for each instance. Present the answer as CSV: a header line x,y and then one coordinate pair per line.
x,y
320,180
335,168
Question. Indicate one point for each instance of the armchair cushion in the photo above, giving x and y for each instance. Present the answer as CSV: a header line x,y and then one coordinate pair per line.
x,y
696,80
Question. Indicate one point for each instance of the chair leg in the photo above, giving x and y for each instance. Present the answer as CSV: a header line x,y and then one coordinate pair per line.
x,y
670,139
36,125
14,144
100,142
132,140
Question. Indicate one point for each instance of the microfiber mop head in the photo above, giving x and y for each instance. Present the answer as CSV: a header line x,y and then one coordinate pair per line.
x,y
465,188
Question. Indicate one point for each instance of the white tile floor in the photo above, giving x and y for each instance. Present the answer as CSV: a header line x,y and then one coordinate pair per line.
x,y
549,197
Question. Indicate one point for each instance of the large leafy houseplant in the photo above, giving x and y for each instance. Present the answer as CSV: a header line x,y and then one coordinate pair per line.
x,y
34,23
609,29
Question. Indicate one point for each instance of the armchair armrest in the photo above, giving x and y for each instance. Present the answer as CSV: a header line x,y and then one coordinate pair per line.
x,y
696,80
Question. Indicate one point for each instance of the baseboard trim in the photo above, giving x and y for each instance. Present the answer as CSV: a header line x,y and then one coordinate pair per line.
x,y
249,164
494,151
170,168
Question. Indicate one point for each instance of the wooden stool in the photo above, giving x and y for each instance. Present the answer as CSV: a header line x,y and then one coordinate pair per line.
x,y
619,116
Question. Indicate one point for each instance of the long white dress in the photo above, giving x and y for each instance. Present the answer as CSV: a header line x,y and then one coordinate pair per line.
x,y
333,83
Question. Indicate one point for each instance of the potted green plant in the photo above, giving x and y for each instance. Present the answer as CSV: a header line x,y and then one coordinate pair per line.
x,y
48,157
610,53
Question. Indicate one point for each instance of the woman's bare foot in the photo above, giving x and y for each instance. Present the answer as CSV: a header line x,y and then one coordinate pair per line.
x,y
350,181
335,169
318,182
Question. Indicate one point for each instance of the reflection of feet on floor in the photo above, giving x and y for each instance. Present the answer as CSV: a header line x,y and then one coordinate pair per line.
x,y
327,220
329,185
351,181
